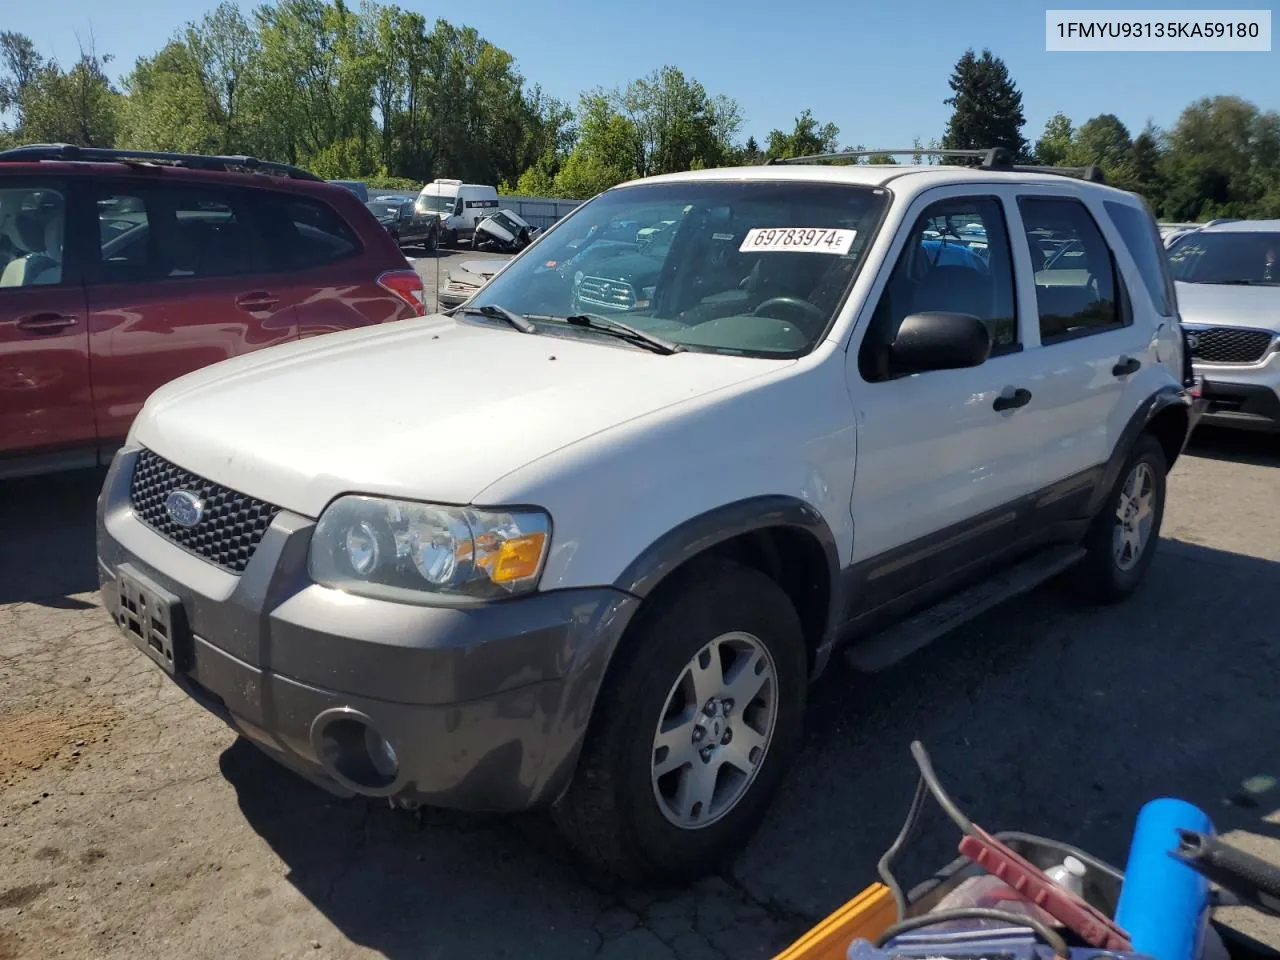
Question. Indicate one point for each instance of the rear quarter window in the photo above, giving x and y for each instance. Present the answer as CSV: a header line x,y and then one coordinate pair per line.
x,y
1141,235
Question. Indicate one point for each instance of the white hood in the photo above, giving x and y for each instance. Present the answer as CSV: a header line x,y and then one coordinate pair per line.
x,y
430,409
1223,304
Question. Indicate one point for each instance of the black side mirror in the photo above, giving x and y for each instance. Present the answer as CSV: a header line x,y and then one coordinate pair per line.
x,y
939,341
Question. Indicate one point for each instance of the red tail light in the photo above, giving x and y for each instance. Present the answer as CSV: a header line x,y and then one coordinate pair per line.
x,y
407,285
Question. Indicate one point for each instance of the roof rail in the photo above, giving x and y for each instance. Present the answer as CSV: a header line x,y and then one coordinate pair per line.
x,y
854,154
192,161
994,158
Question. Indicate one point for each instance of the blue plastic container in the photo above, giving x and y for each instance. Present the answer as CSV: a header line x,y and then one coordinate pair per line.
x,y
1164,904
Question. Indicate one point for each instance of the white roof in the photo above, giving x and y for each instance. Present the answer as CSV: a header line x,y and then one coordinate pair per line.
x,y
910,178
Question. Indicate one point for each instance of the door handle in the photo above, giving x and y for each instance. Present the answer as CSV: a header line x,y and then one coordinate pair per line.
x,y
1019,398
1126,366
46,322
256,301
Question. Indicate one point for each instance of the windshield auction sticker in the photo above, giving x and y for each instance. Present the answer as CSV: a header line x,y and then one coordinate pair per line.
x,y
798,240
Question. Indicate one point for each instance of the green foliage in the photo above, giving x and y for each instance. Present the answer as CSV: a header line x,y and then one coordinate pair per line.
x,y
987,106
74,106
21,63
806,139
1103,141
169,105
384,181
1054,145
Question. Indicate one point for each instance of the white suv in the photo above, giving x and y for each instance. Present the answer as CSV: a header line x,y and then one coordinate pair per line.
x,y
522,556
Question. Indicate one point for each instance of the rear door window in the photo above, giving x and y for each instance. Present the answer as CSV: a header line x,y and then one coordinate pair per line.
x,y
1077,289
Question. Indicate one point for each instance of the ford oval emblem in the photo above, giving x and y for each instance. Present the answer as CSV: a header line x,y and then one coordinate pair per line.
x,y
184,508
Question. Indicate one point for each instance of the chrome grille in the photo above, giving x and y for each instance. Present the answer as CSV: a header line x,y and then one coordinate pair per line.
x,y
1228,344
230,528
603,292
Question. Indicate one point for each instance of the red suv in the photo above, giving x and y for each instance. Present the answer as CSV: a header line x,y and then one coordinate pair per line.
x,y
120,270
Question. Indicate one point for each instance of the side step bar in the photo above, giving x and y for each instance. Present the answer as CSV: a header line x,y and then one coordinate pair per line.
x,y
903,639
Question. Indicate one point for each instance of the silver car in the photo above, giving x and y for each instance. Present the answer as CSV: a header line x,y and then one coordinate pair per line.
x,y
1228,281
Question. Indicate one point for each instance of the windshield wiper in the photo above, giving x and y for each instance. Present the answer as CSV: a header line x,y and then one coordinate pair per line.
x,y
623,331
496,312
1243,282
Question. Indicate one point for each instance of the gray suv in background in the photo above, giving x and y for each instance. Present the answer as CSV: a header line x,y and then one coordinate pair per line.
x,y
1227,276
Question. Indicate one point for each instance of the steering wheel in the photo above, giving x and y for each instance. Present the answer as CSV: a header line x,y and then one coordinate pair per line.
x,y
800,310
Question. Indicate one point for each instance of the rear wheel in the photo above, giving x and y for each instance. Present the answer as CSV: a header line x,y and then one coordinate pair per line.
x,y
693,729
1121,543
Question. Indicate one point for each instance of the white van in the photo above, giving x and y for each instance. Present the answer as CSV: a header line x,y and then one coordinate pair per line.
x,y
459,205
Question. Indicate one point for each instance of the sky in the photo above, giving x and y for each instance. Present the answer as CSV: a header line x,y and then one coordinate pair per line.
x,y
877,70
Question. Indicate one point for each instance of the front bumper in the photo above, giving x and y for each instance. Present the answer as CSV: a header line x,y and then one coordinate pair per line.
x,y
484,708
450,296
1246,397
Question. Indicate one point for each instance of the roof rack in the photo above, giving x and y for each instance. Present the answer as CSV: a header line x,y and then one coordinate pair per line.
x,y
192,161
994,158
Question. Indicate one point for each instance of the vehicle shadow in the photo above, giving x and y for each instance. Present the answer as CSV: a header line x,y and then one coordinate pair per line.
x,y
1040,717
47,551
1235,446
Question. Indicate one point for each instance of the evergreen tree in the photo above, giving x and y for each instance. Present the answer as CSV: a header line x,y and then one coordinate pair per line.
x,y
987,107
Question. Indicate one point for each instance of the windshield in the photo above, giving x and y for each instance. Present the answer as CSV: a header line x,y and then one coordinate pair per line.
x,y
757,268
1227,257
384,208
434,203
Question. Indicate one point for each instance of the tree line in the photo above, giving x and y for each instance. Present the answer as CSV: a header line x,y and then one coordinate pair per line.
x,y
380,93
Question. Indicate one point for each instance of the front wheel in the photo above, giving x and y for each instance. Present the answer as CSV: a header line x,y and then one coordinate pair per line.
x,y
1121,543
693,729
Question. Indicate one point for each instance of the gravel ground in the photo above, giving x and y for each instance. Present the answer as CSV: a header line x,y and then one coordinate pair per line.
x,y
133,825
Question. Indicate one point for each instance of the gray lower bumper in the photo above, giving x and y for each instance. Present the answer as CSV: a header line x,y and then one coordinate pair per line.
x,y
485,708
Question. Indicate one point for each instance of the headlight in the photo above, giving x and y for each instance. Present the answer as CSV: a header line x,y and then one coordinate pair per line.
x,y
424,553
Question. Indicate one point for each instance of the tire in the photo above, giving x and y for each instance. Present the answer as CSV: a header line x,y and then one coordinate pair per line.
x,y
613,812
450,240
1109,572
433,242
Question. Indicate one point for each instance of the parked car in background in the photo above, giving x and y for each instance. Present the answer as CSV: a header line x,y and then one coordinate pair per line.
x,y
120,270
407,226
465,279
1228,280
358,187
505,231
460,206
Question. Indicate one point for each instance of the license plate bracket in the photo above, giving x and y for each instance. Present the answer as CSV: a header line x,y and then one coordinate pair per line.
x,y
153,618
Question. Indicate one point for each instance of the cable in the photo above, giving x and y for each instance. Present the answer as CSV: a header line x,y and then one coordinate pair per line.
x,y
939,794
1050,936
908,825
929,782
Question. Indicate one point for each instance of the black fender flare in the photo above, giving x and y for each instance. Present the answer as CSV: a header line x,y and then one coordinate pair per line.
x,y
706,530
1162,399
